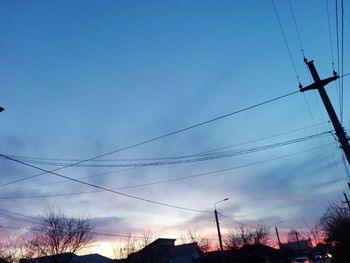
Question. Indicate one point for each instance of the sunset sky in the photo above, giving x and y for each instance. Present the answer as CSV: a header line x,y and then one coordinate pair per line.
x,y
80,79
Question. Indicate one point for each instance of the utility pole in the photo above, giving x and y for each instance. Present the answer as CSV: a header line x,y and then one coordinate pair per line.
x,y
319,85
218,227
217,222
297,237
346,200
280,244
278,238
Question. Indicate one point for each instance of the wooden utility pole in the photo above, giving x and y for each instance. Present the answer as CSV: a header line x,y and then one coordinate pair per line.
x,y
346,200
218,227
319,85
280,245
278,237
217,224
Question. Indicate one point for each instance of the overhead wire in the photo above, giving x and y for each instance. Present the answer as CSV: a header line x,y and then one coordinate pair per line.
x,y
83,161
286,41
130,168
337,83
10,227
338,58
330,34
301,46
167,180
202,153
212,156
337,33
344,75
302,50
240,152
342,63
18,217
159,137
297,29
324,152
64,181
251,225
104,188
22,218
235,221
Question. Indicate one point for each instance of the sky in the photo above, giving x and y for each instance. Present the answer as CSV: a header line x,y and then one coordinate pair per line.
x,y
80,79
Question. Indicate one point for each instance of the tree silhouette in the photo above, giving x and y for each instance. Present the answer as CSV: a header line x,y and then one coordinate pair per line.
x,y
60,236
195,237
336,225
293,236
248,236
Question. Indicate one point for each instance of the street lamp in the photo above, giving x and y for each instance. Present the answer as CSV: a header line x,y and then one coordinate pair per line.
x,y
279,241
217,222
278,237
220,202
1,109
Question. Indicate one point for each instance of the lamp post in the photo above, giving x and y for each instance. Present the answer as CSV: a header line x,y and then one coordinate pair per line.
x,y
1,109
278,237
279,241
217,222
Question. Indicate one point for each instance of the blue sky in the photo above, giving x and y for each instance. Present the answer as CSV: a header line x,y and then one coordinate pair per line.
x,y
83,78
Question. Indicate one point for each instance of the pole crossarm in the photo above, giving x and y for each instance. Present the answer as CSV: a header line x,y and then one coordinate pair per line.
x,y
319,85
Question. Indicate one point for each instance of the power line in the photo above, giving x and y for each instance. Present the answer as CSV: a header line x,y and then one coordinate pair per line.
x,y
297,29
10,227
168,180
285,41
207,157
20,217
64,181
109,234
342,62
330,35
104,188
344,75
126,169
253,225
337,32
313,120
158,137
202,153
235,221
338,56
222,155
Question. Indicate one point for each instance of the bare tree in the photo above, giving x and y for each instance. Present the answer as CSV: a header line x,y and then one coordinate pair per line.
x,y
336,224
315,233
194,237
293,235
248,236
122,249
9,250
204,244
238,238
146,239
261,234
59,234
